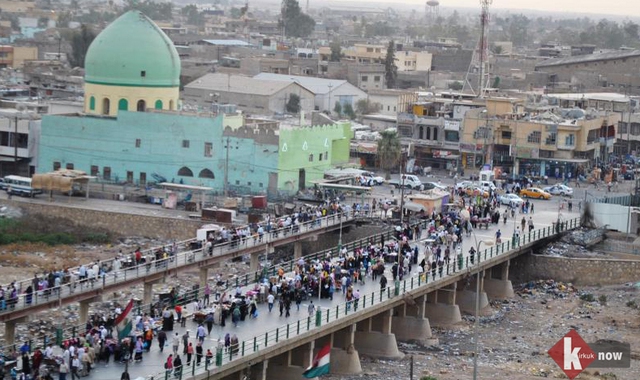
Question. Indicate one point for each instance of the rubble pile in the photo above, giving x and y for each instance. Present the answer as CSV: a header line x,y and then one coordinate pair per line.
x,y
556,289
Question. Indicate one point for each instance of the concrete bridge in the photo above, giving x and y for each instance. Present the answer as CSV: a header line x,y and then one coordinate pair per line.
x,y
404,311
155,271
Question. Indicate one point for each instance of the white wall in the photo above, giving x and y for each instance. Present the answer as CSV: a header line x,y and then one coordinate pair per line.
x,y
615,216
389,103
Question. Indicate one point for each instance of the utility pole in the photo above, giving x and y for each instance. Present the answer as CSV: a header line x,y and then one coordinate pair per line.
x,y
402,179
15,146
226,171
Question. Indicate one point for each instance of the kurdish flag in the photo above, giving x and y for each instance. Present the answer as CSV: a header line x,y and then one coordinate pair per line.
x,y
123,323
320,364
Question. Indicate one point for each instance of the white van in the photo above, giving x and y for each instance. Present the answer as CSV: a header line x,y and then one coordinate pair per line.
x,y
487,185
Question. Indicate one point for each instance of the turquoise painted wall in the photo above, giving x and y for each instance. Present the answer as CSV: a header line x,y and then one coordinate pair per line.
x,y
111,142
297,145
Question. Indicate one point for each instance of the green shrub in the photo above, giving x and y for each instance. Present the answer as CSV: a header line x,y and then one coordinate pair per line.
x,y
602,299
587,297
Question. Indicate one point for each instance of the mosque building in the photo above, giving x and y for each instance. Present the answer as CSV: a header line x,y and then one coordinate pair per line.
x,y
132,129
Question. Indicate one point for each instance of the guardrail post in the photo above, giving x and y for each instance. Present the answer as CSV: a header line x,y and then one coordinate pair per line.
x,y
193,368
364,299
255,343
243,348
277,334
287,331
298,333
266,339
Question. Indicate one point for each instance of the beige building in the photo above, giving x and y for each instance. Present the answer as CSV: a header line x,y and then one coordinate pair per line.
x,y
15,56
376,54
536,143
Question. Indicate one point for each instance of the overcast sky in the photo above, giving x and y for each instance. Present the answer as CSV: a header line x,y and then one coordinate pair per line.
x,y
603,7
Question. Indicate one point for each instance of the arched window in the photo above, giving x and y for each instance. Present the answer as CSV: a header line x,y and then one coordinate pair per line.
x,y
92,103
435,134
311,158
421,132
158,104
105,106
141,106
185,172
123,105
206,173
170,105
428,136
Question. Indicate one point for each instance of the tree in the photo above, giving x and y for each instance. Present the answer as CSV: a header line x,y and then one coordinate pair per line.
x,y
296,23
80,42
336,51
389,151
496,49
496,82
194,16
390,68
456,86
348,110
293,105
365,107
338,109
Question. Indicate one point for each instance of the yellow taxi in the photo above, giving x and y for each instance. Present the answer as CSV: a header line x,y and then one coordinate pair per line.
x,y
534,192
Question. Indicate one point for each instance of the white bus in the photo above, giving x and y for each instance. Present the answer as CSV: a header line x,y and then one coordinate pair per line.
x,y
20,186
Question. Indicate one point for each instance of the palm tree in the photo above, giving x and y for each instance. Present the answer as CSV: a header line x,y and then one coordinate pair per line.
x,y
389,151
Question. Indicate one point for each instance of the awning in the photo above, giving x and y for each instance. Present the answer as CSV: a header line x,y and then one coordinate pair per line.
x,y
414,207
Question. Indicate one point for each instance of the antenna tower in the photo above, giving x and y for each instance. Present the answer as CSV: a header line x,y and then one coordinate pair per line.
x,y
478,65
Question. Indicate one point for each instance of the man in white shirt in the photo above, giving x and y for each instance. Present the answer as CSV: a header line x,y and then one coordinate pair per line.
x,y
270,300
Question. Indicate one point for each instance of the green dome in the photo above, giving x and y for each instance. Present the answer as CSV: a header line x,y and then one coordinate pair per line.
x,y
132,51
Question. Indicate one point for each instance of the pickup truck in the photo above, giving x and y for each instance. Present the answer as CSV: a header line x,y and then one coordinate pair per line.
x,y
410,181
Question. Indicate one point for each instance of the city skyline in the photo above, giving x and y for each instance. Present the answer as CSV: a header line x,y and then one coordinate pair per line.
x,y
613,7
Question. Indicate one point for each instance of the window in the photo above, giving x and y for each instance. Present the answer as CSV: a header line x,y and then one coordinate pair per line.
x,y
451,136
388,108
435,134
105,106
185,143
534,137
635,129
143,73
92,103
171,105
311,158
69,166
376,78
249,183
141,106
481,133
428,134
206,173
123,105
369,50
320,157
326,155
570,140
208,149
237,182
185,172
138,142
106,173
143,178
260,184
56,166
365,78
506,135
158,104
551,139
94,170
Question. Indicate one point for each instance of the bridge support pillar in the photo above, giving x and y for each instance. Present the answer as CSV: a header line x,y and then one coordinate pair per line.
x,y
297,250
83,309
345,359
204,277
467,297
10,330
410,324
147,296
442,314
380,343
254,265
501,287
290,365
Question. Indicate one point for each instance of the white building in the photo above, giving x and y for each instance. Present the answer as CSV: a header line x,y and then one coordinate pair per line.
x,y
392,101
326,91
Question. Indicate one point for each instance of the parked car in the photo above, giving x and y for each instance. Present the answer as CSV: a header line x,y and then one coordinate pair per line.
x,y
3,184
534,192
375,179
409,181
559,189
434,185
508,199
463,185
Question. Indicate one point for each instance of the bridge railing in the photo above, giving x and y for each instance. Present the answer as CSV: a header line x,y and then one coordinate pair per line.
x,y
152,266
393,292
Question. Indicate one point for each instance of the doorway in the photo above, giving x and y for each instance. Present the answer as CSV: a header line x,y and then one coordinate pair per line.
x,y
301,179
